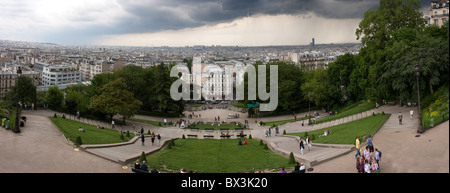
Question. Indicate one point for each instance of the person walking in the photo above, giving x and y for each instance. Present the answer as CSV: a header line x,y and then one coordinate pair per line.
x,y
400,117
370,143
411,114
112,124
153,138
301,146
158,139
143,139
308,142
357,145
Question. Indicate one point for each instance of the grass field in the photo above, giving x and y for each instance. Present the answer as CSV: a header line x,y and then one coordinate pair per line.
x,y
348,111
217,156
346,133
277,123
155,123
92,135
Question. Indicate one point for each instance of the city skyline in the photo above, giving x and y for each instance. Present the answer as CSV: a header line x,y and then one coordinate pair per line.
x,y
184,23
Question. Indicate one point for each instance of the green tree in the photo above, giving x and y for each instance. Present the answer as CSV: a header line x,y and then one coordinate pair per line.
x,y
338,73
317,86
114,98
23,91
54,98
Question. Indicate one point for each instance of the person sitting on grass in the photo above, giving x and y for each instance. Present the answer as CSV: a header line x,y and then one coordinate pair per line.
x,y
245,141
239,142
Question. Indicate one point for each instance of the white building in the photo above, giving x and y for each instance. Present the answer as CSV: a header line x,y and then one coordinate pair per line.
x,y
60,74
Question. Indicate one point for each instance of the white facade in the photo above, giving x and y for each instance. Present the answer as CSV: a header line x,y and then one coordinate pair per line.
x,y
60,74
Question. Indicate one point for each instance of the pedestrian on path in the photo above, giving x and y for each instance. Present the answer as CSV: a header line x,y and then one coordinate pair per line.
x,y
112,124
400,117
158,139
357,145
301,146
370,143
411,114
153,138
143,139
308,142
165,122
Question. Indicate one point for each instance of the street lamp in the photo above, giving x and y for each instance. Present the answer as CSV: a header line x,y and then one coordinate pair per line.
x,y
420,129
17,122
309,108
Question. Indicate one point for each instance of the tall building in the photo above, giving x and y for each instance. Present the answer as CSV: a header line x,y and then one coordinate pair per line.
x,y
60,74
8,78
439,12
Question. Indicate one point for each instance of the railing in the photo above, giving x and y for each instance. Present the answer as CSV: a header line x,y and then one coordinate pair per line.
x,y
439,15
435,121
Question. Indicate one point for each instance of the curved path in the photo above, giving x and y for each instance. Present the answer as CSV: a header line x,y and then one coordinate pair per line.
x,y
45,149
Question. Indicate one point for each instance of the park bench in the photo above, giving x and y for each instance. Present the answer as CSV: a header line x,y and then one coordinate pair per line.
x,y
139,171
241,136
225,136
299,171
192,136
209,129
208,136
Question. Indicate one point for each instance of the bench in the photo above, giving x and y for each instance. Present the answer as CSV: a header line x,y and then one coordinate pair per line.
x,y
241,136
209,129
192,136
391,103
139,171
208,136
299,171
225,136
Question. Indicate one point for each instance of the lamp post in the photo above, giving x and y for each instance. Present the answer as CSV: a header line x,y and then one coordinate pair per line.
x,y
309,108
17,122
420,129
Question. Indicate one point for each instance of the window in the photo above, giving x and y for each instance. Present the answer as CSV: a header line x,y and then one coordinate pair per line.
x,y
436,22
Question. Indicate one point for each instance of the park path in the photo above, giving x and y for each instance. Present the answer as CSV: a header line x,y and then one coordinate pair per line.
x,y
41,148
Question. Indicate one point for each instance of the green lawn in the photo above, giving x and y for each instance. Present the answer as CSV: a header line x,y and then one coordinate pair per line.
x,y
217,156
277,123
92,135
346,133
155,123
350,110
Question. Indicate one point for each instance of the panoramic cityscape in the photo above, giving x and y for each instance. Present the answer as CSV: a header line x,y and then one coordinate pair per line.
x,y
183,87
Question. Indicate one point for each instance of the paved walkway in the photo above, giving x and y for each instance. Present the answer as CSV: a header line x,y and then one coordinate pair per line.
x,y
41,148
58,154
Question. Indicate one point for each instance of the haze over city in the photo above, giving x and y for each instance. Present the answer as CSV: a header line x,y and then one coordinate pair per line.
x,y
184,23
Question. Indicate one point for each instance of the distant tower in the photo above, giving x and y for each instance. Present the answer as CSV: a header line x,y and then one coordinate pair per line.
x,y
312,43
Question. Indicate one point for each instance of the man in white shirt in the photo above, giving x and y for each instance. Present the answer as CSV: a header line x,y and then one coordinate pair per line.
x,y
411,114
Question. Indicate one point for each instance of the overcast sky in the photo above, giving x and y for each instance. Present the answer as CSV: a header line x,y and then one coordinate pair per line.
x,y
183,22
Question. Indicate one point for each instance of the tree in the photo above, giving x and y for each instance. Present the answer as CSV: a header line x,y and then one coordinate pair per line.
x,y
317,86
338,73
375,30
23,91
114,98
54,98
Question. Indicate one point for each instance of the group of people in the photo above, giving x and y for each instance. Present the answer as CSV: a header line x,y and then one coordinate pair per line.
x,y
368,158
297,169
144,167
153,137
306,141
240,142
268,132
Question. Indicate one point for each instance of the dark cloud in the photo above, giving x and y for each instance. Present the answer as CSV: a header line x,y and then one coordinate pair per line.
x,y
178,14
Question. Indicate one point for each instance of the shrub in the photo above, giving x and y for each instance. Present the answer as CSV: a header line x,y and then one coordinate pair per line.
x,y
78,141
261,143
183,137
382,112
434,114
63,116
306,134
169,146
291,158
284,132
149,132
265,146
143,157
313,137
373,113
250,136
172,141
128,134
55,116
121,137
